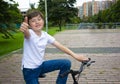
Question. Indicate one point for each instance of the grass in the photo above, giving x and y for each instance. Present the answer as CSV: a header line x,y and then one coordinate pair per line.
x,y
9,45
53,30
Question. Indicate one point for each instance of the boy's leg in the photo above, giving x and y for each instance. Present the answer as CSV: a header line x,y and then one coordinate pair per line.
x,y
30,76
33,81
59,64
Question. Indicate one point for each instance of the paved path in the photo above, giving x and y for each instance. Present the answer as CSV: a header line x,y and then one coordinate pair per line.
x,y
103,46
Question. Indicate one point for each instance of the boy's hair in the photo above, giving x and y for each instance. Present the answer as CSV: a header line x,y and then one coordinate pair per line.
x,y
34,13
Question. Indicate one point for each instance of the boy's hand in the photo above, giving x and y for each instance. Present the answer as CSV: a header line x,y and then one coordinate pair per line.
x,y
26,20
24,25
81,58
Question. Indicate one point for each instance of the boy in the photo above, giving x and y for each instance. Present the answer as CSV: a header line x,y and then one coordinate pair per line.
x,y
35,41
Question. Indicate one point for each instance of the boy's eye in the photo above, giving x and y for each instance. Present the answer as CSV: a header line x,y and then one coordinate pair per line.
x,y
34,20
39,19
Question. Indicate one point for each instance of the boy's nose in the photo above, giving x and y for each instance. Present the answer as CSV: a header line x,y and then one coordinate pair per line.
x,y
37,21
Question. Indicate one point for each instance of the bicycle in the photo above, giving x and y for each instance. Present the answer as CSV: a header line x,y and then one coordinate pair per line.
x,y
75,73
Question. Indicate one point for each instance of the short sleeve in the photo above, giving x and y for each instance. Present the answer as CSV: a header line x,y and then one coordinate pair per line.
x,y
50,38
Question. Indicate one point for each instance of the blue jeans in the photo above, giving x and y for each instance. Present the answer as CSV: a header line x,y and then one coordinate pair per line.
x,y
31,75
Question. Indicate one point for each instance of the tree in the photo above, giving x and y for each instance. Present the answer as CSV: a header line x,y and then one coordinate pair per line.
x,y
59,11
109,15
9,14
115,11
32,5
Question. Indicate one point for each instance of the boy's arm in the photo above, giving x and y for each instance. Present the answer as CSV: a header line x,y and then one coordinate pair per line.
x,y
24,28
69,52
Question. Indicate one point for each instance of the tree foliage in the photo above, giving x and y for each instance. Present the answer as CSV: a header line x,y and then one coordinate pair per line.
x,y
9,15
59,11
108,15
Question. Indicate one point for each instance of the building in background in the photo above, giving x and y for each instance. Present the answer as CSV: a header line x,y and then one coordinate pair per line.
x,y
93,7
114,1
80,12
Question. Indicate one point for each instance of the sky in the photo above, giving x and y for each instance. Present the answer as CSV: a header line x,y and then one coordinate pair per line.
x,y
24,4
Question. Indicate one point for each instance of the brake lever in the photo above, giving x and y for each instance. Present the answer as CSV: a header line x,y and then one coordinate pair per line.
x,y
88,62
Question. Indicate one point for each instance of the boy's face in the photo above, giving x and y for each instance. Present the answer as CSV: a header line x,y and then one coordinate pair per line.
x,y
36,23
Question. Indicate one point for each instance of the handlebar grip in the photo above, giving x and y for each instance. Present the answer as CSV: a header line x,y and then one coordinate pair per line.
x,y
88,62
65,73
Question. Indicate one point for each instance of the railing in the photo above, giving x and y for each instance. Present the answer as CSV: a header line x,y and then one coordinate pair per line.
x,y
13,25
93,26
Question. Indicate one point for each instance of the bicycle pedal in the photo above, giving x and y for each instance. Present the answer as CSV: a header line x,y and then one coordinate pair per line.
x,y
42,76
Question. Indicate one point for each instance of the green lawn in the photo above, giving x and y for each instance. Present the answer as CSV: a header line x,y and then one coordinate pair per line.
x,y
53,30
9,45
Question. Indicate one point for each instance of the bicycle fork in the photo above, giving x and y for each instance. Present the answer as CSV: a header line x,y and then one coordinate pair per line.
x,y
73,73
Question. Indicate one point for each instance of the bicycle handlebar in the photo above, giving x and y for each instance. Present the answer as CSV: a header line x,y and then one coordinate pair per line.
x,y
84,63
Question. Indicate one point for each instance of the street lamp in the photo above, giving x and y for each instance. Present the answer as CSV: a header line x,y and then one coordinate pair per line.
x,y
46,17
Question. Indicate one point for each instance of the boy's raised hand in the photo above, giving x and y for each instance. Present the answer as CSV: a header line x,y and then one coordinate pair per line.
x,y
26,20
24,25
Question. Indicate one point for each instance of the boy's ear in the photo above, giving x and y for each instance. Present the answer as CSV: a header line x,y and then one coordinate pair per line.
x,y
26,19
